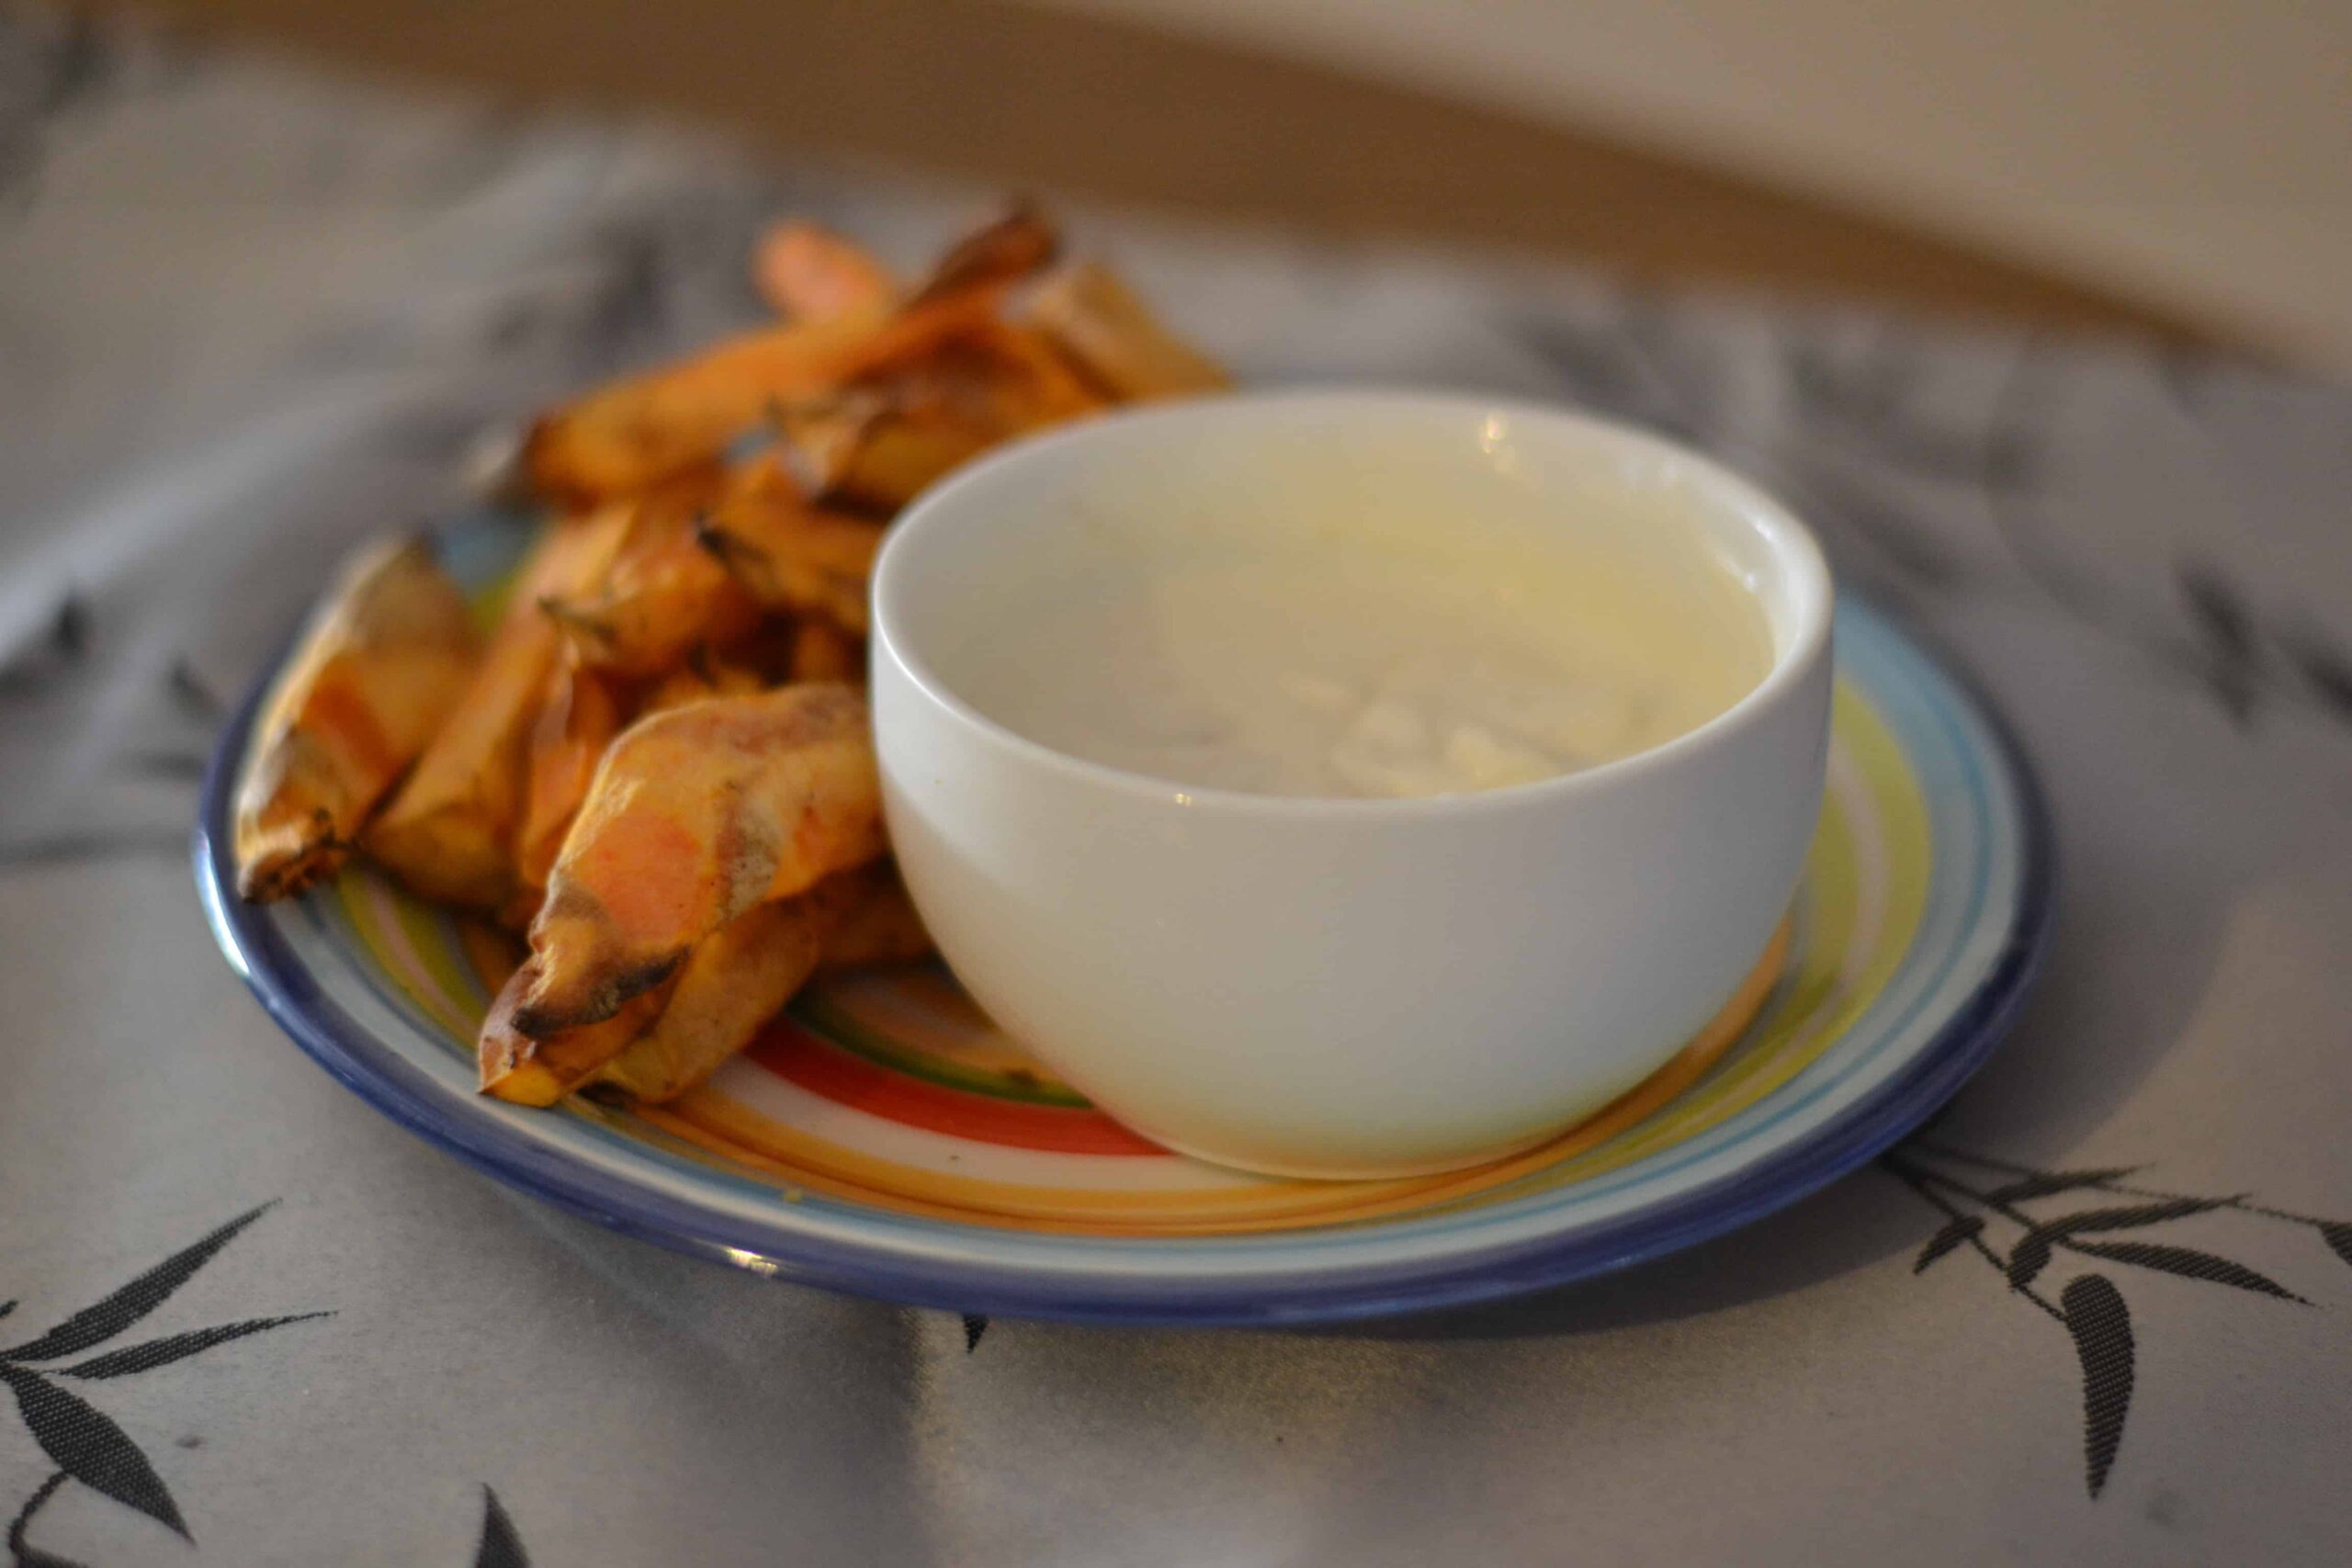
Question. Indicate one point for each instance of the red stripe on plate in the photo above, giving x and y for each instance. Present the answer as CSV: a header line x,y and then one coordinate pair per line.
x,y
822,1068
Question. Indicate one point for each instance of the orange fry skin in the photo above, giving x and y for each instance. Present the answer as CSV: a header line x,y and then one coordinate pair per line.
x,y
792,557
1017,243
1089,313
730,985
694,816
450,830
702,675
865,453
663,597
822,652
878,926
578,717
806,272
638,431
516,1068
372,683
879,444
1031,380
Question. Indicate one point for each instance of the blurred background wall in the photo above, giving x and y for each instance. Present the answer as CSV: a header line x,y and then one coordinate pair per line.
x,y
2194,152
2159,166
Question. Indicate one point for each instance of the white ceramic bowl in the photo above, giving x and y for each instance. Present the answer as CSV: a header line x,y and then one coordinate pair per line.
x,y
1345,987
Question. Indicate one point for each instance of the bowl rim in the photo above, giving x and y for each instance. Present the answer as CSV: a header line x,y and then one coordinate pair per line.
x,y
1803,660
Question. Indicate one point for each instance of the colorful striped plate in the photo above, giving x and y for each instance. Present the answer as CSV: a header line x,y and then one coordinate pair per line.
x,y
882,1137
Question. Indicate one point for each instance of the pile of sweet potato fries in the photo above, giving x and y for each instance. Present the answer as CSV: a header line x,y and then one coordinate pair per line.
x,y
657,760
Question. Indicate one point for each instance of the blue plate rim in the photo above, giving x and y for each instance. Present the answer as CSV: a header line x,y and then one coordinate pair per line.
x,y
377,1075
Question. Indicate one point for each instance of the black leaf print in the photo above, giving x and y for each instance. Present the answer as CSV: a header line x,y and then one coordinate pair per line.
x,y
1871,403
1872,521
2042,1184
1956,1231
69,634
628,298
83,1442
2134,1218
2219,640
2100,1325
36,666
86,1445
73,60
146,1357
2230,654
1607,368
78,61
189,692
2189,1263
2222,617
160,764
34,1557
6,1307
501,1547
2325,670
94,1324
27,1556
1961,1186
973,1327
2028,1258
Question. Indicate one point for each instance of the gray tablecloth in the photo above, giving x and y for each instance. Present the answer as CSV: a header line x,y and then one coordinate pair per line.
x,y
247,317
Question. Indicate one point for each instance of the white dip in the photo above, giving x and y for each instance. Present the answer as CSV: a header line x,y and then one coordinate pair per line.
x,y
1382,649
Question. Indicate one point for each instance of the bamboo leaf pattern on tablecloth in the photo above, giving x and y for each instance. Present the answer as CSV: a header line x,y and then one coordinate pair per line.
x,y
2339,1239
1957,1232
81,1440
1973,1193
2043,1184
22,1552
501,1546
2100,1325
94,1324
150,1354
2189,1264
84,1443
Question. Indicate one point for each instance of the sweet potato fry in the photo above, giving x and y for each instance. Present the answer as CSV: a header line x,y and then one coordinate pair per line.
x,y
793,557
375,675
526,1071
880,443
702,674
878,926
1028,379
635,433
662,596
1089,313
822,652
638,431
694,816
450,830
863,452
586,708
1016,244
807,272
729,986
578,715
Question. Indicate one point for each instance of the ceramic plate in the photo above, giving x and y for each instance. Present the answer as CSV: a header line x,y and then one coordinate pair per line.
x,y
882,1138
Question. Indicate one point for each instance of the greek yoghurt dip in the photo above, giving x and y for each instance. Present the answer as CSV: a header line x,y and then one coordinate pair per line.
x,y
1386,650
